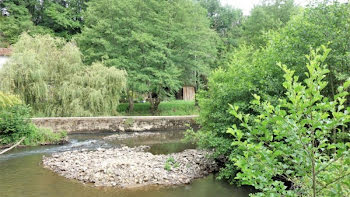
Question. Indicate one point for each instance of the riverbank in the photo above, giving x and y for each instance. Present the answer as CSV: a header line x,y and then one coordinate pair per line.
x,y
131,167
116,123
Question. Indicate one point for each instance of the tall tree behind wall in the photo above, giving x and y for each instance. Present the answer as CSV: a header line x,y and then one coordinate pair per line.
x,y
225,20
58,17
161,44
16,19
267,16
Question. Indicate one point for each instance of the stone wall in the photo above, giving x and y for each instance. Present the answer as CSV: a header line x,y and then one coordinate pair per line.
x,y
116,123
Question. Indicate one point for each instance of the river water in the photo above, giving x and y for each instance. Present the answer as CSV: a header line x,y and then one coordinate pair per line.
x,y
22,174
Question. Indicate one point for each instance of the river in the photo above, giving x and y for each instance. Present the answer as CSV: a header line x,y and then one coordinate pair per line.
x,y
22,174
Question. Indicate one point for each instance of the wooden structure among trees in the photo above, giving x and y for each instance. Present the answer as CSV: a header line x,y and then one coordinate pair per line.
x,y
188,93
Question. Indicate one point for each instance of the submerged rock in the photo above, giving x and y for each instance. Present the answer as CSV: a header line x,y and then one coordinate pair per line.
x,y
130,167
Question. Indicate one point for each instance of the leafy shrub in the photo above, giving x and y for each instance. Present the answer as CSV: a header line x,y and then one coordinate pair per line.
x,y
294,141
235,83
15,124
248,71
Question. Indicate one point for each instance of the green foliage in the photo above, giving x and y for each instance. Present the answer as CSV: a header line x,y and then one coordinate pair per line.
x,y
15,124
19,21
270,15
63,17
295,139
94,90
246,71
234,82
170,163
47,73
161,44
57,17
8,100
325,23
167,167
170,160
166,108
226,21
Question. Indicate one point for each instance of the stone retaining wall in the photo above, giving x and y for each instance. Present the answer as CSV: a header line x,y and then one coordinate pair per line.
x,y
116,123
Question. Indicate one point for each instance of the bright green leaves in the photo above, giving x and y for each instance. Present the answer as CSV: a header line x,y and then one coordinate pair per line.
x,y
8,100
294,137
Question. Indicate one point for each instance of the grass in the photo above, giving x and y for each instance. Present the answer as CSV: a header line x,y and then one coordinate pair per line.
x,y
44,136
166,108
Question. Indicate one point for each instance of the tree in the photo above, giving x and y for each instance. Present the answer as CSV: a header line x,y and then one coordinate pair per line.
x,y
270,15
161,44
324,23
294,141
18,21
47,73
225,20
58,17
63,17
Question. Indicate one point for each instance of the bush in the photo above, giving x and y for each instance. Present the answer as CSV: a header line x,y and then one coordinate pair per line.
x,y
248,71
235,83
15,124
295,141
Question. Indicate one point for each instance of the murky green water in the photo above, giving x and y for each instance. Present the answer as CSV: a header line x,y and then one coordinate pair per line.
x,y
22,174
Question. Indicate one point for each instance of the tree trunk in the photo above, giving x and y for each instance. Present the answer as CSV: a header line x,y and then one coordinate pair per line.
x,y
131,101
154,104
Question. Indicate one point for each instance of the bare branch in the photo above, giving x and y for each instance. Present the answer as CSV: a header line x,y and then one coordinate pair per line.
x,y
8,149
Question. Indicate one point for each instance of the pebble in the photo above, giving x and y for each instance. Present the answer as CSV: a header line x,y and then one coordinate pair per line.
x,y
127,167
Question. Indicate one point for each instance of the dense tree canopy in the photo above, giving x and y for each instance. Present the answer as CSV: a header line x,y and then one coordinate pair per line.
x,y
161,44
57,17
270,15
17,21
225,20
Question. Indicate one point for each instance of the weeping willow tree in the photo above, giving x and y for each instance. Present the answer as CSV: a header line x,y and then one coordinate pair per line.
x,y
48,74
8,100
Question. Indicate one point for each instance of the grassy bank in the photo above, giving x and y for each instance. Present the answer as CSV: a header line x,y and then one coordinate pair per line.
x,y
166,108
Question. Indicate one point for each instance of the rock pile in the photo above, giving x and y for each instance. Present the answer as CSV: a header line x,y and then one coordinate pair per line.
x,y
131,167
